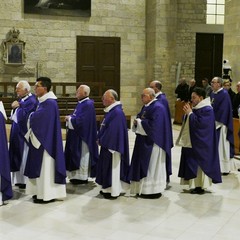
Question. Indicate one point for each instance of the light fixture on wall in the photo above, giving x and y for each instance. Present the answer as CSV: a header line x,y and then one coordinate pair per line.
x,y
226,70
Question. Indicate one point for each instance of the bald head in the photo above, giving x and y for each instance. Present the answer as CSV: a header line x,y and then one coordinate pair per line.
x,y
109,97
147,95
156,86
82,92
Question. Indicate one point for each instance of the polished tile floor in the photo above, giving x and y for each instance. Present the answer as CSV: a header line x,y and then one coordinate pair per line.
x,y
85,215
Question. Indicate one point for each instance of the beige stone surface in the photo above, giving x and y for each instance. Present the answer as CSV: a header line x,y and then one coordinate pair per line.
x,y
156,35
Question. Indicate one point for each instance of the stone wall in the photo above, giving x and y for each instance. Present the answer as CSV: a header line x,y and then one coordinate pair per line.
x,y
161,45
51,42
156,35
231,38
171,31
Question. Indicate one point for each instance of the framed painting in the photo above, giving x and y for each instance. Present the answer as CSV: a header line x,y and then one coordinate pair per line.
x,y
14,53
74,8
14,49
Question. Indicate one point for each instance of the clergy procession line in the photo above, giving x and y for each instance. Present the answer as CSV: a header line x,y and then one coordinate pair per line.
x,y
36,160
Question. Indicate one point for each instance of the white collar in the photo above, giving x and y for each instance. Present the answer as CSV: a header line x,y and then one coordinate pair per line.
x,y
146,105
204,103
218,90
156,94
82,100
107,109
48,95
24,98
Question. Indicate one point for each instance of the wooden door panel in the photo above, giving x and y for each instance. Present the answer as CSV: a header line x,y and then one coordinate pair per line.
x,y
208,57
98,60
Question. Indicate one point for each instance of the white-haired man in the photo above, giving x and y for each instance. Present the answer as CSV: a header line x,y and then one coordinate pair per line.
x,y
222,107
18,148
152,148
81,151
113,164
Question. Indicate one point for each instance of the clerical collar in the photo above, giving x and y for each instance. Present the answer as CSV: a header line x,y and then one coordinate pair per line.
x,y
204,103
26,96
157,94
83,99
107,109
218,91
48,95
146,105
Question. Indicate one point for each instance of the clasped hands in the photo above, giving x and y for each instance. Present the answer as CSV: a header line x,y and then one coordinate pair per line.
x,y
187,108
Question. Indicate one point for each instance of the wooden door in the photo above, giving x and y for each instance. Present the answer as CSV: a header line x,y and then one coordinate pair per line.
x,y
98,61
208,59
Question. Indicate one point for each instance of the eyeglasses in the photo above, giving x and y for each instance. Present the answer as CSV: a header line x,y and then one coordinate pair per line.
x,y
37,86
212,82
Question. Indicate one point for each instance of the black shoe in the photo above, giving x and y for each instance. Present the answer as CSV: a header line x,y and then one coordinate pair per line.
x,y
78,181
107,195
41,201
22,186
197,190
150,196
34,197
225,173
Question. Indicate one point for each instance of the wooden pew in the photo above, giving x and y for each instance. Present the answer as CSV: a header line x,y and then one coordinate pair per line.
x,y
7,89
66,107
236,128
179,113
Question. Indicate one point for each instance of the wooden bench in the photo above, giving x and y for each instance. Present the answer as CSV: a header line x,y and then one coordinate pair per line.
x,y
236,129
66,107
179,113
63,89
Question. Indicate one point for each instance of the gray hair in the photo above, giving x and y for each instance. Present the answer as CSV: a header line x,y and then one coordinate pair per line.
x,y
86,89
114,94
219,80
151,92
25,85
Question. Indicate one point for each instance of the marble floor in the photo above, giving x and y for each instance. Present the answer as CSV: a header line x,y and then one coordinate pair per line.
x,y
86,215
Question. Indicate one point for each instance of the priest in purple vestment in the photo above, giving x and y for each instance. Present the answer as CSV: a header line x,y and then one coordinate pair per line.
x,y
222,107
199,163
113,164
157,87
18,147
5,177
152,148
45,165
81,150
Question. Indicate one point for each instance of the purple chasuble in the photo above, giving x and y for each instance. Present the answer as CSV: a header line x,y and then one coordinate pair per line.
x,y
113,135
18,130
6,186
85,129
222,107
204,151
155,123
45,124
162,98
